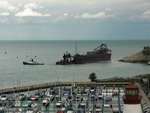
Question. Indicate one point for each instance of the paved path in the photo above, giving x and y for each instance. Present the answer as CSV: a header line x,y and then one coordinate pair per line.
x,y
144,96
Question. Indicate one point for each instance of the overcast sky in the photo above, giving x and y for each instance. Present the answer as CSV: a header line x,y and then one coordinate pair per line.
x,y
74,19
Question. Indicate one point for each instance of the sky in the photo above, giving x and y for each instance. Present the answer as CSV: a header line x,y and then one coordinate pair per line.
x,y
74,19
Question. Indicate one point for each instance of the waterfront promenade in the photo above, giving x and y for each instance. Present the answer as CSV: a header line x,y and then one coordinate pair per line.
x,y
53,84
146,100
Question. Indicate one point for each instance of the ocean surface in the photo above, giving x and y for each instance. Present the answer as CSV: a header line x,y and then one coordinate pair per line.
x,y
13,73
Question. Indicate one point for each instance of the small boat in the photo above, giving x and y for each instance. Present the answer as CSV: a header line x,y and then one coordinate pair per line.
x,y
17,103
149,63
25,103
33,105
3,98
70,110
32,62
58,104
46,101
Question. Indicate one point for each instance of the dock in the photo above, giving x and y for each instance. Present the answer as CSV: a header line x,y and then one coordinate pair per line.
x,y
54,84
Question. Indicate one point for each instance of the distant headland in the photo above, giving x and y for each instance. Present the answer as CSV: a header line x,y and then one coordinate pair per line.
x,y
140,57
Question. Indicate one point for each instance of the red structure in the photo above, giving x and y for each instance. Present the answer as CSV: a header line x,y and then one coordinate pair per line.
x,y
131,94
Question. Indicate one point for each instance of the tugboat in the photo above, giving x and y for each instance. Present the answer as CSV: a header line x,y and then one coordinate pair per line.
x,y
32,62
101,53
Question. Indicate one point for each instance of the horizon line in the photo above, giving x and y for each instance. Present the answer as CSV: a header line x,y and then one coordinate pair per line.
x,y
82,40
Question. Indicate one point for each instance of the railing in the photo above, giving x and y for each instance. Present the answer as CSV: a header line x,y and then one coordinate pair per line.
x,y
52,84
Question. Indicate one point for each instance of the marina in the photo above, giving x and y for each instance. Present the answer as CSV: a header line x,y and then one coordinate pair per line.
x,y
69,97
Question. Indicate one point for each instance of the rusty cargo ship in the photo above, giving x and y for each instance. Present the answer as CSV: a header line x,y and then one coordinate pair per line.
x,y
101,53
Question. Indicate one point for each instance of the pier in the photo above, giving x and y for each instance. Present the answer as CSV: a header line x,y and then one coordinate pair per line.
x,y
53,84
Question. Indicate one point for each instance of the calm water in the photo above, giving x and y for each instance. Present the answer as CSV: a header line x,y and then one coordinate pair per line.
x,y
14,73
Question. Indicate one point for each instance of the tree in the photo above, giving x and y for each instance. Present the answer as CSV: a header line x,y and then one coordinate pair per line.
x,y
92,77
146,52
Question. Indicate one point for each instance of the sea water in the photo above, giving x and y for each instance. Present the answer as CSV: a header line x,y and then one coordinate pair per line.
x,y
13,73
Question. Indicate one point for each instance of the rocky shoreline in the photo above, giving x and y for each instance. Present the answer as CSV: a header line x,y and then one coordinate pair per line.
x,y
135,58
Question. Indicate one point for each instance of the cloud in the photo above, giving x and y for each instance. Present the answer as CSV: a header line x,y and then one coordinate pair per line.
x,y
20,20
77,16
93,11
20,5
107,9
65,14
4,14
46,14
4,5
61,18
93,16
3,20
139,17
32,6
146,14
30,12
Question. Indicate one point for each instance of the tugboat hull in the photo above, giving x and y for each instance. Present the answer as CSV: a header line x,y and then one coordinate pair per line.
x,y
32,63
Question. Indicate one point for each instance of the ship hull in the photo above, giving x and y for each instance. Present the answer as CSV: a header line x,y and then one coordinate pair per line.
x,y
91,58
64,63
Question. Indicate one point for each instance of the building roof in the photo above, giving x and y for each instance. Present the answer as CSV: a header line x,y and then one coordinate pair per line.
x,y
131,86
